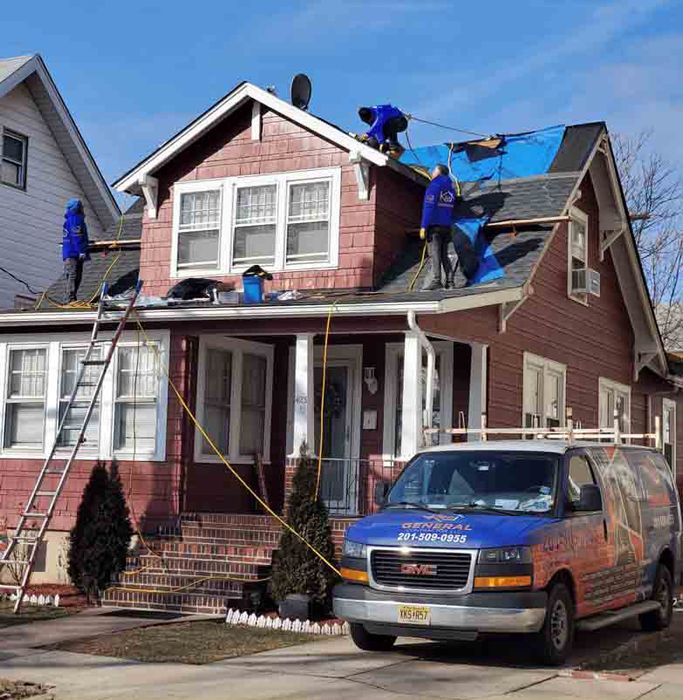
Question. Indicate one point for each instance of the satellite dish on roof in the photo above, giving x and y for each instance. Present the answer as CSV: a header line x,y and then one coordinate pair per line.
x,y
301,91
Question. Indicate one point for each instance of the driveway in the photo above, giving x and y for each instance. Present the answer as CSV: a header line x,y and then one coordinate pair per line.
x,y
332,668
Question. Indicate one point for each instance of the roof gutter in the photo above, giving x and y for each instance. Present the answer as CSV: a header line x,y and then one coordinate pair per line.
x,y
431,362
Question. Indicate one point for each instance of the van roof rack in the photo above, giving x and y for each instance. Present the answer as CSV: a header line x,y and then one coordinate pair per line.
x,y
569,433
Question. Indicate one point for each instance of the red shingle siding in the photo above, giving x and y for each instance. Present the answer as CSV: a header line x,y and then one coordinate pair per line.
x,y
228,151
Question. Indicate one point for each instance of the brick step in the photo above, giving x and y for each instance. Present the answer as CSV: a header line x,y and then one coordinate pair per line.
x,y
186,603
183,565
167,582
205,550
230,519
230,536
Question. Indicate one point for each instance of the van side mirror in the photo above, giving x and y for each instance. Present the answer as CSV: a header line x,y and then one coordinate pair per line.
x,y
381,491
590,499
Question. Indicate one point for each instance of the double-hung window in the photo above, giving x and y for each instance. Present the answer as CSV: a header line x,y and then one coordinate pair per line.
x,y
255,224
135,400
280,221
25,398
544,392
614,399
669,432
199,229
234,398
13,159
578,250
71,366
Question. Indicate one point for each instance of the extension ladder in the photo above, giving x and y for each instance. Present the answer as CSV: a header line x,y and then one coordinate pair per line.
x,y
20,555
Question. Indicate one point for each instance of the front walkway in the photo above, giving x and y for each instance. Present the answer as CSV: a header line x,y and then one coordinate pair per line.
x,y
323,669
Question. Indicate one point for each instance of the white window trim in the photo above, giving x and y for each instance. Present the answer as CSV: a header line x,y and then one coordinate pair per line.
x,y
576,214
391,354
605,384
671,405
54,344
228,187
237,347
548,367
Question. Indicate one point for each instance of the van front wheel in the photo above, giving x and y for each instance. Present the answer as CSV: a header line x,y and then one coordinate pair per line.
x,y
662,592
370,642
555,640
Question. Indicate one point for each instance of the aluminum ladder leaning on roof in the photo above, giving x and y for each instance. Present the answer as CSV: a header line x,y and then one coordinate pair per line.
x,y
21,564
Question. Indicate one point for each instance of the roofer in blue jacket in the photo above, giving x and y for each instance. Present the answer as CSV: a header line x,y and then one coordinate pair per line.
x,y
74,246
437,217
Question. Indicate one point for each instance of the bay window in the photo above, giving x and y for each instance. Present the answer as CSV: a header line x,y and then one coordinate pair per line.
x,y
234,397
71,366
135,400
280,221
25,399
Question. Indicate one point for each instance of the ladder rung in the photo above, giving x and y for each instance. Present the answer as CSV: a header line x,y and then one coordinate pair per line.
x,y
46,493
9,586
19,538
34,514
54,471
21,562
72,426
93,362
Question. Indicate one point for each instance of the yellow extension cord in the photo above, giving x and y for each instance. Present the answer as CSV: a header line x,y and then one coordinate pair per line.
x,y
232,470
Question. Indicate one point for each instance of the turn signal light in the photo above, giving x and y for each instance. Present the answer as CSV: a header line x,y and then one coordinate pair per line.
x,y
502,581
354,575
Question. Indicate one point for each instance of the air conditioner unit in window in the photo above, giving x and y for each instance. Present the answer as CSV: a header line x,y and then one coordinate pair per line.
x,y
586,281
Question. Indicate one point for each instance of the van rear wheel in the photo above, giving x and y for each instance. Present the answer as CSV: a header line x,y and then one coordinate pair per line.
x,y
370,642
555,640
662,592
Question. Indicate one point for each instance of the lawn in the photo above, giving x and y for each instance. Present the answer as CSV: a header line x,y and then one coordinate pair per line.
x,y
28,613
199,642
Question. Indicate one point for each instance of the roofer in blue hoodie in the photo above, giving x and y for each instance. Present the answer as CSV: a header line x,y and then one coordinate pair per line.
x,y
437,217
74,247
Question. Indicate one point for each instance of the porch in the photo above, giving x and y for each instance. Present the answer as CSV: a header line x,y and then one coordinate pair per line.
x,y
260,397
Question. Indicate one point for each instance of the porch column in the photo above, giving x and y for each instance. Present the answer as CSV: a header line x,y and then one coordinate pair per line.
x,y
304,403
478,386
411,416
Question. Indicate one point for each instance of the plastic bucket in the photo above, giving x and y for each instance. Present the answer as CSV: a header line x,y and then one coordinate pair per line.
x,y
253,289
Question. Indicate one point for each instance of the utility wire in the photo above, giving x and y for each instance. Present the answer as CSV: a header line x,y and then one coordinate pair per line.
x,y
445,126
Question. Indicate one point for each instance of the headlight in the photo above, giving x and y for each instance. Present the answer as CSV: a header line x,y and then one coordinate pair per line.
x,y
505,555
354,549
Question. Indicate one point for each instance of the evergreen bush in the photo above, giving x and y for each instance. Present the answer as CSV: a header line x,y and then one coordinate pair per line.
x,y
100,539
296,568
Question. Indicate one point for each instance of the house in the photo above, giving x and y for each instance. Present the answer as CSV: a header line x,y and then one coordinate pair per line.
x,y
44,162
256,180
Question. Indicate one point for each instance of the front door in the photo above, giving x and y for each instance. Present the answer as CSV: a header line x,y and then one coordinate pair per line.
x,y
337,484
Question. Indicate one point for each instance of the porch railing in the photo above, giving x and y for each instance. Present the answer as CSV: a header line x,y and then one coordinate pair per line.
x,y
347,486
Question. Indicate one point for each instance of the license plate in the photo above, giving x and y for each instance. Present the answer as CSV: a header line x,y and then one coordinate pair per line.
x,y
414,614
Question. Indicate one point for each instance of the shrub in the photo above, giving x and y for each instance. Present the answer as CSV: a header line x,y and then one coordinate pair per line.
x,y
296,568
99,540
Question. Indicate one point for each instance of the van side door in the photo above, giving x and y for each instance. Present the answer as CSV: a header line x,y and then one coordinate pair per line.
x,y
591,538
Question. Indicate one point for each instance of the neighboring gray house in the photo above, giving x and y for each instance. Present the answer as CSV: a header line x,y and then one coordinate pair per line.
x,y
44,161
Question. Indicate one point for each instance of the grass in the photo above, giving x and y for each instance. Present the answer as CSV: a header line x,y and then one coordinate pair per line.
x,y
28,613
15,690
200,642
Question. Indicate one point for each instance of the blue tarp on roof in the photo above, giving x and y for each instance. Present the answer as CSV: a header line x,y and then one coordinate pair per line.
x,y
519,155
504,157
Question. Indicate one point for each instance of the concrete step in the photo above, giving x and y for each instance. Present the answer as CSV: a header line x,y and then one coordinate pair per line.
x,y
194,584
230,535
230,519
175,602
194,565
208,550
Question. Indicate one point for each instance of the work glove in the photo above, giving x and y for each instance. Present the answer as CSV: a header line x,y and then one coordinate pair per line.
x,y
81,256
423,234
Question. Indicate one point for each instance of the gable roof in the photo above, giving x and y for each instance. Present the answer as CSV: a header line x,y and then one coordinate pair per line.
x,y
32,71
240,95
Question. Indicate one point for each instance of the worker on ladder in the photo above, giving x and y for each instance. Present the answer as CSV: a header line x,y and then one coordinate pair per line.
x,y
74,247
437,218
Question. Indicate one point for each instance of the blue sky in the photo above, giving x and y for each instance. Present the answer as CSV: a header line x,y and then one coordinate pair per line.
x,y
132,73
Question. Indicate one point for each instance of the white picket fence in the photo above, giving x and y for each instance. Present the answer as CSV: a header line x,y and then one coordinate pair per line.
x,y
40,600
240,617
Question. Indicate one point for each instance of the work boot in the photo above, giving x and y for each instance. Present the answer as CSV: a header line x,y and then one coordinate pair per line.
x,y
449,284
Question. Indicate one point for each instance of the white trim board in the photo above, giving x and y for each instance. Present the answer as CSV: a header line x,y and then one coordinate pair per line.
x,y
224,107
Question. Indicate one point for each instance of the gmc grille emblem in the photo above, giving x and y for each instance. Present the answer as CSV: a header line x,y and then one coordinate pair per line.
x,y
418,569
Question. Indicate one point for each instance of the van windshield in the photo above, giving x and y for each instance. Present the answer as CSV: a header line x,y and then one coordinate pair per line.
x,y
487,480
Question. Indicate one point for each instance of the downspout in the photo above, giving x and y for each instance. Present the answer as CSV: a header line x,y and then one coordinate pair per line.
x,y
431,362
